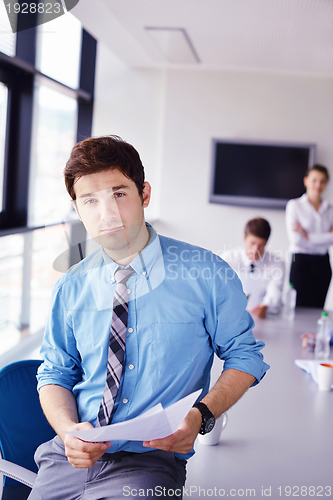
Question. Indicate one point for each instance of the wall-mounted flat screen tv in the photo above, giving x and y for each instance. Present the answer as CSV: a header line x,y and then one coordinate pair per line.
x,y
258,174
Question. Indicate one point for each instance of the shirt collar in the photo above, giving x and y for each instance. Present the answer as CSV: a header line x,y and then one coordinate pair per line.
x,y
323,206
247,262
142,263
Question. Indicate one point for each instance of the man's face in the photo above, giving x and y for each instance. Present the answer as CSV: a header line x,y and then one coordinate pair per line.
x,y
112,211
254,247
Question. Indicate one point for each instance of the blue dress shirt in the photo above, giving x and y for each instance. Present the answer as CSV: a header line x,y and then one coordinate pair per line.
x,y
185,303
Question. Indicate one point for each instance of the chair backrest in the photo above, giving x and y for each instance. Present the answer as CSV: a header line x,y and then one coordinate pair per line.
x,y
23,426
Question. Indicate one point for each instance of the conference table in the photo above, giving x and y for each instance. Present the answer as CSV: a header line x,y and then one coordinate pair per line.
x,y
278,442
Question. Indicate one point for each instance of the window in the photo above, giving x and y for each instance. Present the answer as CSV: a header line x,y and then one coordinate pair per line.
x,y
27,275
50,108
54,134
11,273
59,49
3,120
44,109
7,37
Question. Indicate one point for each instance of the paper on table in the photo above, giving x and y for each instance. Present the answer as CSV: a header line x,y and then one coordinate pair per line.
x,y
311,365
156,423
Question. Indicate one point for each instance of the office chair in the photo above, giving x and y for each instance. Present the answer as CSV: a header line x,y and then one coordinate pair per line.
x,y
23,427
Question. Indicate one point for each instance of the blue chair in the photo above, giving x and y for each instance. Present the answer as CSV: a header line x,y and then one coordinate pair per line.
x,y
23,427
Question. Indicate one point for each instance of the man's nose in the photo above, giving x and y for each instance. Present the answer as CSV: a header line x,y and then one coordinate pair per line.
x,y
109,209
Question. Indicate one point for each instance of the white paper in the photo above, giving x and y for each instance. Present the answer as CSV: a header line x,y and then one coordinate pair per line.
x,y
156,423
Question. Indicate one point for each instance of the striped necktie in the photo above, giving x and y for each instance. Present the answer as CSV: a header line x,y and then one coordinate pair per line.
x,y
117,344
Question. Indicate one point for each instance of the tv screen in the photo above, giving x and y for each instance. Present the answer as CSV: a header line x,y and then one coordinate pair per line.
x,y
258,174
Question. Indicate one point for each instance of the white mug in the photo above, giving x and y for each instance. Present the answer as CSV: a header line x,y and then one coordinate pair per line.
x,y
213,437
325,376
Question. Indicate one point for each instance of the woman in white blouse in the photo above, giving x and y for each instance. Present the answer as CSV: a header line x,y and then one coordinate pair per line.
x,y
309,222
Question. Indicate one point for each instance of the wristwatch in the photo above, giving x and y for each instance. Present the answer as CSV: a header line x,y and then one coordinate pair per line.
x,y
208,419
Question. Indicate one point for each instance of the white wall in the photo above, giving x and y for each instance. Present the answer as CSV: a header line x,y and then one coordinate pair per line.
x,y
129,103
172,117
201,106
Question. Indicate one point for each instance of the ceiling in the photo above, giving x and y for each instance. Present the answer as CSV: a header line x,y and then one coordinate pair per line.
x,y
293,36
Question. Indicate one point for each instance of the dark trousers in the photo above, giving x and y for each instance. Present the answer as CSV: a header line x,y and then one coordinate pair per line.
x,y
311,276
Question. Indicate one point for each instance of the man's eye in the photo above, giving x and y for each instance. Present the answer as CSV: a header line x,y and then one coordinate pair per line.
x,y
90,201
119,195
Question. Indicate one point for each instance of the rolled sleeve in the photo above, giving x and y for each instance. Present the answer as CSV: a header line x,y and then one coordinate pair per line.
x,y
61,360
232,338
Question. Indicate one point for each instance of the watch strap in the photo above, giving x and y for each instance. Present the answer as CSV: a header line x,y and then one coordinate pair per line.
x,y
205,415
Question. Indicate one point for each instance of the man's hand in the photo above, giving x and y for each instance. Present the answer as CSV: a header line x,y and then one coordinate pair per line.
x,y
59,406
259,311
82,454
182,440
230,386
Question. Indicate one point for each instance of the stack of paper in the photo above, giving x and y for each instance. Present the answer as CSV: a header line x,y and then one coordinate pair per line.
x,y
156,423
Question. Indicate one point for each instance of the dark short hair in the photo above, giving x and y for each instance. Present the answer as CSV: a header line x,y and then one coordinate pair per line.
x,y
318,168
258,227
96,154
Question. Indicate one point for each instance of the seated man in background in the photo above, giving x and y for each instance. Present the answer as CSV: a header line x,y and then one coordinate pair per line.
x,y
261,272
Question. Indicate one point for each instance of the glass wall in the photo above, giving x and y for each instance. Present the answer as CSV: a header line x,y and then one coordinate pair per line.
x,y
27,275
7,37
44,107
11,274
59,50
54,135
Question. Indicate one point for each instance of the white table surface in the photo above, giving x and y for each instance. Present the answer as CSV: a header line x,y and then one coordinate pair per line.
x,y
279,435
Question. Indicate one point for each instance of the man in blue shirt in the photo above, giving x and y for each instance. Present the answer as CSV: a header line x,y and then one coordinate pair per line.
x,y
184,305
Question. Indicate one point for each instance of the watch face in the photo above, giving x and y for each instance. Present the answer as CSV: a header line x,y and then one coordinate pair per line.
x,y
209,424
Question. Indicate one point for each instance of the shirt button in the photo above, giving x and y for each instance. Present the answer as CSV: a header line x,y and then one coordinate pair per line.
x,y
144,273
131,367
125,400
130,330
128,291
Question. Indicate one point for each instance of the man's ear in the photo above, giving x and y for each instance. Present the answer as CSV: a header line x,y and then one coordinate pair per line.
x,y
146,192
73,202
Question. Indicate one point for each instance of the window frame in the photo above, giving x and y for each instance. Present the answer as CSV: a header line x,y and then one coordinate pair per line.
x,y
19,74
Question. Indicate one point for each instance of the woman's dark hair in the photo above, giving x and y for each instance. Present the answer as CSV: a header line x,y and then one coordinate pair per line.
x,y
318,168
258,227
96,154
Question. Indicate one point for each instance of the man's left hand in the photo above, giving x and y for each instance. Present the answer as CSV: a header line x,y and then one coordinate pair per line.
x,y
182,440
